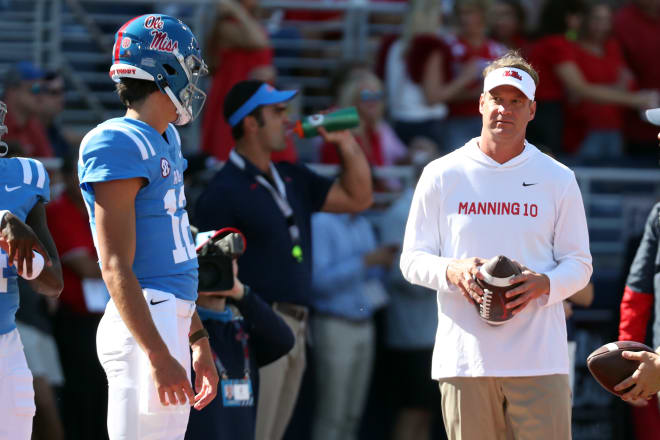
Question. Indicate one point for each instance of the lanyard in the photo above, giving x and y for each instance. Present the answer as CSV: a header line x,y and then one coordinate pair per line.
x,y
243,337
279,195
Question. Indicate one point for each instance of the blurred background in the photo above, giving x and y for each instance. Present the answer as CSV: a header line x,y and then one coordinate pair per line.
x,y
412,68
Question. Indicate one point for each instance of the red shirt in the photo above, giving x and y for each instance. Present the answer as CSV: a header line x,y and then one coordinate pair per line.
x,y
461,53
31,136
69,227
585,116
374,154
639,36
235,66
545,54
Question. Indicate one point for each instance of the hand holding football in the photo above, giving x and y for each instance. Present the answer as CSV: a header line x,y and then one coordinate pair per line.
x,y
609,368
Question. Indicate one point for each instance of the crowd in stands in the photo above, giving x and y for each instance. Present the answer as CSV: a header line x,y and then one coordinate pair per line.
x,y
416,99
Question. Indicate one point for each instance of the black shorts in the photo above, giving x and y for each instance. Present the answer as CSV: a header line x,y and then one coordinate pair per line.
x,y
409,374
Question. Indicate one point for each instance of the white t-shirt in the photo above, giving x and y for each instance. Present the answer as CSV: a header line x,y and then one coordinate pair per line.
x,y
529,209
406,99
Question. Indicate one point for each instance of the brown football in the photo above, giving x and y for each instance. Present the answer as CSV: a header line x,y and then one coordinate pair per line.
x,y
609,368
497,273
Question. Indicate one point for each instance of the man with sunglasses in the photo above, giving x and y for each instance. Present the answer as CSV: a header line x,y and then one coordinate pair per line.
x,y
22,87
131,177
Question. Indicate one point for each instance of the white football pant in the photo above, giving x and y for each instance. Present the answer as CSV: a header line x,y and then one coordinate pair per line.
x,y
134,409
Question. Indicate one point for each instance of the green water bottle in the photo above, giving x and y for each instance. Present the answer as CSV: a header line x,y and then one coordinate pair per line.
x,y
337,120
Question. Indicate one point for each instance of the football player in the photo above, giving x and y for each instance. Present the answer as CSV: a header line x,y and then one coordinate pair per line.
x,y
641,292
131,176
24,185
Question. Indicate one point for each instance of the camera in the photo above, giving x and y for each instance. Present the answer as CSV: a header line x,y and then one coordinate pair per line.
x,y
215,252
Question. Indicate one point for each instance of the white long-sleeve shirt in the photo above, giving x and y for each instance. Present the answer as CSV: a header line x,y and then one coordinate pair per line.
x,y
528,209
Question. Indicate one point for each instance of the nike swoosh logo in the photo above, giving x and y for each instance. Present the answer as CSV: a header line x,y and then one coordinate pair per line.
x,y
529,184
12,188
153,303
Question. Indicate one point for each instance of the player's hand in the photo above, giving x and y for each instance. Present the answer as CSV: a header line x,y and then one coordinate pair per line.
x,y
171,381
18,240
206,375
462,273
235,292
533,286
645,380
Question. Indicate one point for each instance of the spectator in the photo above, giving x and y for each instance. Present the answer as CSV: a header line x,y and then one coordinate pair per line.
x,y
592,128
50,108
272,206
23,229
550,54
22,87
416,72
79,311
507,25
637,29
347,291
380,144
411,322
516,373
242,343
470,44
238,49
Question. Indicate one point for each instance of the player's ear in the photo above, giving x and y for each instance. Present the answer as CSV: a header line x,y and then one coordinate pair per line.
x,y
481,103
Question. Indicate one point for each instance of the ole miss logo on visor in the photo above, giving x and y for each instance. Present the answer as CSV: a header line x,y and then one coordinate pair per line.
x,y
513,74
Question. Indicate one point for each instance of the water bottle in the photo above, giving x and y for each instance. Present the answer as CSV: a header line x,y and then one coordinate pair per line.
x,y
337,120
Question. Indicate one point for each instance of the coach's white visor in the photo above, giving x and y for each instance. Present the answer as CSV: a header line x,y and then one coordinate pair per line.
x,y
510,76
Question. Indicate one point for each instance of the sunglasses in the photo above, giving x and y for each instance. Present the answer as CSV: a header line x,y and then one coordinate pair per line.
x,y
370,95
40,89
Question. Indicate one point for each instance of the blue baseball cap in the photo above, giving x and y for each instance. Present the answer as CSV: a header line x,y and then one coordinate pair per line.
x,y
265,94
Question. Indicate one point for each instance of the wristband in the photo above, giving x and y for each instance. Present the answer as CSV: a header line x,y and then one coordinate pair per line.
x,y
199,334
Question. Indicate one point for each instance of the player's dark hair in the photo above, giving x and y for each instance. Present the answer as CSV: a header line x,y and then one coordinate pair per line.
x,y
131,90
236,97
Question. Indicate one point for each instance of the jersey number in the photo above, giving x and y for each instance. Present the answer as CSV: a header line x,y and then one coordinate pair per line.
x,y
183,248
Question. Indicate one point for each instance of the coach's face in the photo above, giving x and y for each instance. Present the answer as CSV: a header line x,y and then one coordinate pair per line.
x,y
506,111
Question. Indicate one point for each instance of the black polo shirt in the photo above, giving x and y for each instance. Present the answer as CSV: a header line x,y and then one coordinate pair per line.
x,y
234,198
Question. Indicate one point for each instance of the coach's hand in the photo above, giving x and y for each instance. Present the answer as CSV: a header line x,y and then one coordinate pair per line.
x,y
171,381
206,375
533,286
462,273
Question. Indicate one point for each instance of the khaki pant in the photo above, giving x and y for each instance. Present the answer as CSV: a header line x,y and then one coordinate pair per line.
x,y
520,408
280,381
344,353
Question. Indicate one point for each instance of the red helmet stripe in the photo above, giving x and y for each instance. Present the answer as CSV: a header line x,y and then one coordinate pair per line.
x,y
120,35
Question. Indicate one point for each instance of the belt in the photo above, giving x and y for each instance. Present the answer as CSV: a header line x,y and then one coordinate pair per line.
x,y
299,313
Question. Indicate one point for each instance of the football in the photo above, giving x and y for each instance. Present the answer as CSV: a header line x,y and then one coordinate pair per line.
x,y
497,273
609,368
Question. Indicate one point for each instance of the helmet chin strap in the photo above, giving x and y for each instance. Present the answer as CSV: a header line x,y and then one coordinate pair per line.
x,y
4,149
184,115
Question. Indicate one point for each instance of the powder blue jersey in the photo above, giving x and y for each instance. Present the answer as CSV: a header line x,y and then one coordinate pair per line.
x,y
124,148
23,183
